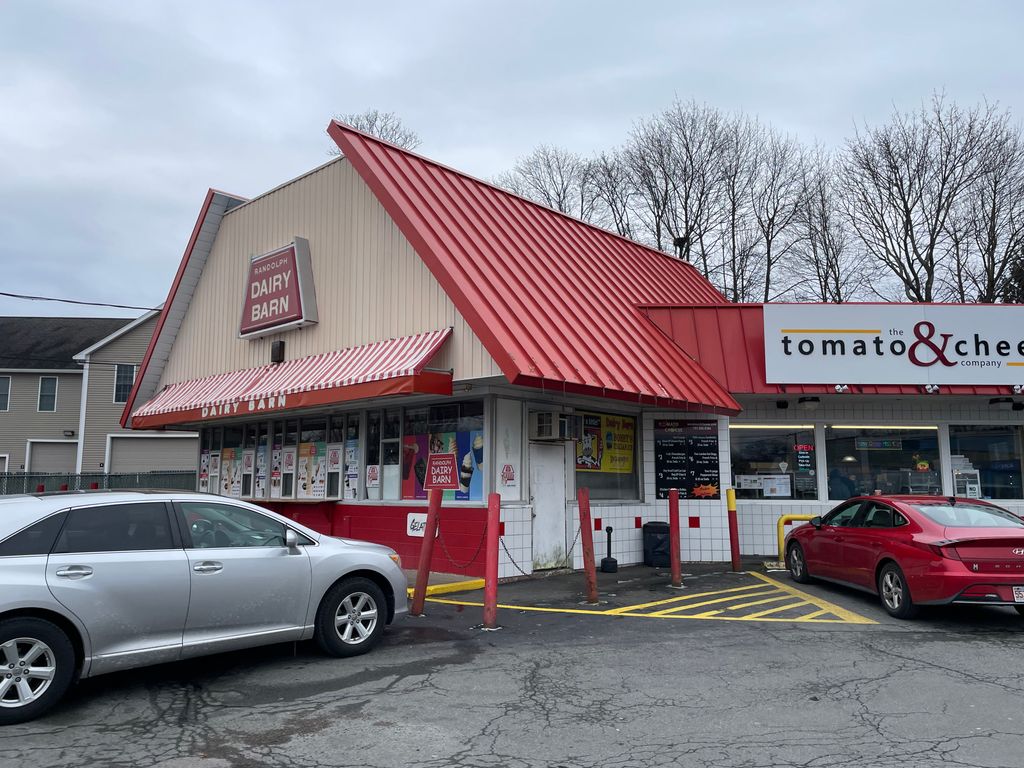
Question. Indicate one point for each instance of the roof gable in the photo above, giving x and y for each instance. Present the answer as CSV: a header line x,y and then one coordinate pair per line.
x,y
554,299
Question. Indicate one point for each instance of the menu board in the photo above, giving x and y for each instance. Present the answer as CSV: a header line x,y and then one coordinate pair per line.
x,y
686,457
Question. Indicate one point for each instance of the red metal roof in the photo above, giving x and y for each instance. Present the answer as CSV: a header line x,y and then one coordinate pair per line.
x,y
553,299
728,342
383,368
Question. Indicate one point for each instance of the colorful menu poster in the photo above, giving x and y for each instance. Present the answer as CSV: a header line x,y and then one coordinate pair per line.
x,y
686,458
468,447
204,471
351,478
275,471
260,484
231,472
311,479
607,444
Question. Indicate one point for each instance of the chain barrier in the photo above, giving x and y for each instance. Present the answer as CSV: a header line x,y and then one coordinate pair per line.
x,y
448,554
564,564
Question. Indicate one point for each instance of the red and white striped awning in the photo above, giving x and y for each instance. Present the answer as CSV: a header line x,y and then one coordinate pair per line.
x,y
395,366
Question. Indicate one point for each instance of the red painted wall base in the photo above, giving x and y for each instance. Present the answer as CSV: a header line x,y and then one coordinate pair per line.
x,y
459,548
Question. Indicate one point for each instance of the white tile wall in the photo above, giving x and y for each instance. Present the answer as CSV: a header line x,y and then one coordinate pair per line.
x,y
757,519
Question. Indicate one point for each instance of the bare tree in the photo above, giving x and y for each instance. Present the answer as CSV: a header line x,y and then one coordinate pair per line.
x,y
903,183
384,125
651,160
777,199
742,261
824,256
556,177
614,192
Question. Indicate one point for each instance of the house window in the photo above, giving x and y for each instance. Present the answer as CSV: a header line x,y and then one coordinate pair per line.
x,y
5,393
124,380
47,394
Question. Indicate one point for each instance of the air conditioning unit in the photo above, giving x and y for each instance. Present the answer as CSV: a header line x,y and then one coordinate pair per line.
x,y
552,425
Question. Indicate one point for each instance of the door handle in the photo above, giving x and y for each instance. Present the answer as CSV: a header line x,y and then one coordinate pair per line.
x,y
74,572
208,567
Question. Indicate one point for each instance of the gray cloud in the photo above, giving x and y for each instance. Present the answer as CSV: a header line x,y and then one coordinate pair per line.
x,y
115,117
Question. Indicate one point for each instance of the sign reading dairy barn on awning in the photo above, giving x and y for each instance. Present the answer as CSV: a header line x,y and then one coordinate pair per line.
x,y
279,292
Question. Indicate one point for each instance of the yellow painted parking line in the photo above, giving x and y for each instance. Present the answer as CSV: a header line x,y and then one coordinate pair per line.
x,y
452,586
688,606
841,613
516,607
757,602
779,609
641,606
811,616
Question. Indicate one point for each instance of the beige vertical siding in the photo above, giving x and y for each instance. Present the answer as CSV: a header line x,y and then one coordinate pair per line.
x,y
370,283
23,422
102,414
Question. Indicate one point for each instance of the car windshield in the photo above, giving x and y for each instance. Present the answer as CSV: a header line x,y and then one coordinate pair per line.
x,y
969,515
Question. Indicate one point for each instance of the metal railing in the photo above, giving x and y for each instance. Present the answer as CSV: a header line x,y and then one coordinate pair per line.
x,y
30,482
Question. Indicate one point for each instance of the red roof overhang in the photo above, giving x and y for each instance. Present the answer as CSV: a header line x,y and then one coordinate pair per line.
x,y
553,299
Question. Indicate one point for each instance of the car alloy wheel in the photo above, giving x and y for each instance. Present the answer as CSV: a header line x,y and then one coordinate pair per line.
x,y
356,618
29,666
798,565
892,588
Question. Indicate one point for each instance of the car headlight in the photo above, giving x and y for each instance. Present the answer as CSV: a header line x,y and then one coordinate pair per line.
x,y
396,559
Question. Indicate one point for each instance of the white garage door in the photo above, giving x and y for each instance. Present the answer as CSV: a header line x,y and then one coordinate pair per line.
x,y
53,457
153,454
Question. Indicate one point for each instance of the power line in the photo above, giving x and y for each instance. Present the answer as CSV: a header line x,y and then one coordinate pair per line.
x,y
75,301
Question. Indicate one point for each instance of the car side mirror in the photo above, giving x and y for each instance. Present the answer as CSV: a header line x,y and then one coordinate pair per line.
x,y
291,540
816,522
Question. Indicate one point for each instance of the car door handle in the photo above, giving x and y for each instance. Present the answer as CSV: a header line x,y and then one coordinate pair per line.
x,y
74,572
208,567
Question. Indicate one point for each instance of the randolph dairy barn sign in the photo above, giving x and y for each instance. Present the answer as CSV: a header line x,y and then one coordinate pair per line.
x,y
279,291
893,344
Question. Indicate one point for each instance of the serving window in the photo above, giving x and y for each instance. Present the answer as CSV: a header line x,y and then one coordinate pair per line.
x,y
869,459
774,462
986,461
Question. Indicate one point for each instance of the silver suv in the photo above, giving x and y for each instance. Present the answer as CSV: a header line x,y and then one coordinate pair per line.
x,y
96,582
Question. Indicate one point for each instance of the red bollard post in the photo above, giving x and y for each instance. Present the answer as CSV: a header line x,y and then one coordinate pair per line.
x,y
587,535
734,530
94,486
40,488
674,538
63,486
491,562
419,594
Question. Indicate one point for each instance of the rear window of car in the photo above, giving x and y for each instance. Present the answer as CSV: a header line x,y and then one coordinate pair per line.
x,y
37,539
969,516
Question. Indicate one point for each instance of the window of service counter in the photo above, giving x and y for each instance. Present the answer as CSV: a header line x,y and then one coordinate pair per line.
x,y
773,461
375,454
865,459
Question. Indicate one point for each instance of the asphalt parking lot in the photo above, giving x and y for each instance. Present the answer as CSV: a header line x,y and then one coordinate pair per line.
x,y
596,688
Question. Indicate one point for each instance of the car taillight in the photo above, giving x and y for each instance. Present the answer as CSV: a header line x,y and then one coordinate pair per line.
x,y
947,551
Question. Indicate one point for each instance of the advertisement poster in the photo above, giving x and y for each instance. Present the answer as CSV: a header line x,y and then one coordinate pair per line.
x,y
261,473
351,479
248,461
686,458
776,486
334,457
231,472
468,448
373,475
607,444
311,480
275,472
204,471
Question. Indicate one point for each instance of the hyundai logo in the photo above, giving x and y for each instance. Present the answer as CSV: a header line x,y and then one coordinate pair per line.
x,y
1018,551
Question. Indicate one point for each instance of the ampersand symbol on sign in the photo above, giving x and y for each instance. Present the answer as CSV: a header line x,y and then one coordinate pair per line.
x,y
925,331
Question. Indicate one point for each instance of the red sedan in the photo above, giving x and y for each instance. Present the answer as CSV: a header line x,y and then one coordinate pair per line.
x,y
915,550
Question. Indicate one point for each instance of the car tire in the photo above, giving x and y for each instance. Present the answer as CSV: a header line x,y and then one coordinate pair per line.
x,y
45,651
894,592
351,618
797,564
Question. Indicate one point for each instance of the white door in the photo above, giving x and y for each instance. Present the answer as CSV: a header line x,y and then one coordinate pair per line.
x,y
547,495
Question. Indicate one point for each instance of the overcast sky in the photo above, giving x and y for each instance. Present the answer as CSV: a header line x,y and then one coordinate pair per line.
x,y
115,117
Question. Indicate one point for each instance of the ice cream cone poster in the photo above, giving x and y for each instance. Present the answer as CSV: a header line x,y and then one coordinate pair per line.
x,y
607,444
311,471
470,459
415,449
231,472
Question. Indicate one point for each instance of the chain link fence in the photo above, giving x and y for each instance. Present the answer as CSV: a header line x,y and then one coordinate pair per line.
x,y
30,482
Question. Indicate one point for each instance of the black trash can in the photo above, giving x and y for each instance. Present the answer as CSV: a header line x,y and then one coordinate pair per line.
x,y
656,545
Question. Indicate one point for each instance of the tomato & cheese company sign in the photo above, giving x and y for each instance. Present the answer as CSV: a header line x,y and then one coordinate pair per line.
x,y
279,292
893,344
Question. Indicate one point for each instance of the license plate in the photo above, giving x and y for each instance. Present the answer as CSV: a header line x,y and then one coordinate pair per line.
x,y
1018,594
